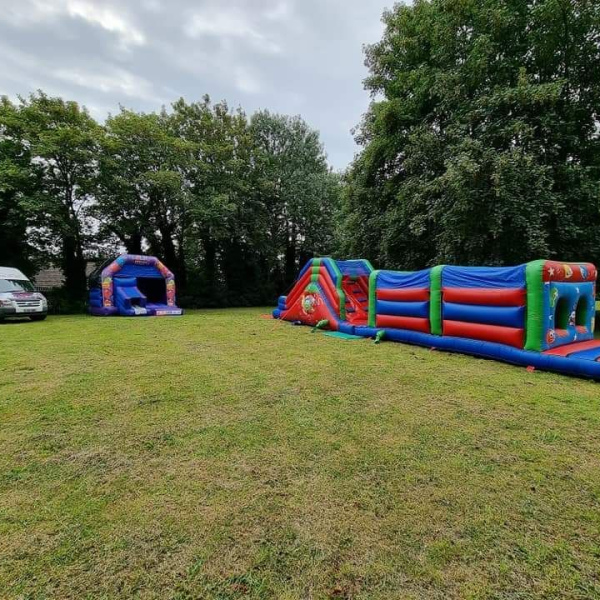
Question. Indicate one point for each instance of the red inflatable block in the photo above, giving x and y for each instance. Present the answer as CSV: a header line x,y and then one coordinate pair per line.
x,y
486,297
298,289
510,336
330,290
412,323
405,295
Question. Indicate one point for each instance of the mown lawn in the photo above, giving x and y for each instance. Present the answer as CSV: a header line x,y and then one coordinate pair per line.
x,y
221,455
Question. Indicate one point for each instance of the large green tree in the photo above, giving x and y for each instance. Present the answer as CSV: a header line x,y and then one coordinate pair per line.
x,y
260,190
481,143
223,215
296,186
19,182
62,142
140,190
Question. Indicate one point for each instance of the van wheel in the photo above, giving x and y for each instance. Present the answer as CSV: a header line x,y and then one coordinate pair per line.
x,y
38,317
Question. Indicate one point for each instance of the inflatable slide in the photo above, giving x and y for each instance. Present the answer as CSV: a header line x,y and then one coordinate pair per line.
x,y
132,286
540,314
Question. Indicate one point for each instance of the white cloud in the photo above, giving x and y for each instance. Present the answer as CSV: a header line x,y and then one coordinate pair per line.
x,y
153,6
21,69
291,56
114,81
18,58
28,13
108,19
282,11
229,23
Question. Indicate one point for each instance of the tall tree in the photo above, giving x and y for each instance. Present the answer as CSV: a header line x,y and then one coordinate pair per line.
x,y
222,211
140,190
296,186
62,139
18,183
481,144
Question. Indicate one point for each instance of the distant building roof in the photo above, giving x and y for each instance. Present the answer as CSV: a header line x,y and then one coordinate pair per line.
x,y
49,279
53,278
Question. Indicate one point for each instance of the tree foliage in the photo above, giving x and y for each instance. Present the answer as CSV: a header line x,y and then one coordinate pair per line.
x,y
140,189
231,204
57,147
18,182
481,144
295,186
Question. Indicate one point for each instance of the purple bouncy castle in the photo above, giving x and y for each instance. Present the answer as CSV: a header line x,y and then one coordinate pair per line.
x,y
133,285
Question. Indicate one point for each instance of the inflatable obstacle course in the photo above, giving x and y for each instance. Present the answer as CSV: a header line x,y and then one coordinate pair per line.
x,y
133,285
540,314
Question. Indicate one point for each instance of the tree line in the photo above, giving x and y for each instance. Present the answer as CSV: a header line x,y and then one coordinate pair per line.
x,y
482,144
231,203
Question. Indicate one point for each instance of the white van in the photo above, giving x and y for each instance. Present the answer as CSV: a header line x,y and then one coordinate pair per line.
x,y
18,297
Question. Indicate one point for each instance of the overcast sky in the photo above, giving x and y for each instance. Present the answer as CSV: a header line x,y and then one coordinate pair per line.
x,y
290,56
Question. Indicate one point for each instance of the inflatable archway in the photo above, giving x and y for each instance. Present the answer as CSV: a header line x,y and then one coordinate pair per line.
x,y
133,285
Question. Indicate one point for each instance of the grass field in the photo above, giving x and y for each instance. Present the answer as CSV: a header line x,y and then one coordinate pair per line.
x,y
221,455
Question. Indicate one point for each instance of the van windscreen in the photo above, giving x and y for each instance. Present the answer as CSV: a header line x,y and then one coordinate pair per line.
x,y
15,285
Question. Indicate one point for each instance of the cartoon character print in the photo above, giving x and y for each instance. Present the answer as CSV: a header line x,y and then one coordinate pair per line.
x,y
309,303
554,271
553,297
107,291
171,292
550,337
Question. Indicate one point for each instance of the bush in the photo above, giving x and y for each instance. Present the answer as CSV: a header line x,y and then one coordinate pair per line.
x,y
60,302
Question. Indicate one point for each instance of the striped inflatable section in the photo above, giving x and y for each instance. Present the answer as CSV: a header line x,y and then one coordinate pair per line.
x,y
485,303
400,300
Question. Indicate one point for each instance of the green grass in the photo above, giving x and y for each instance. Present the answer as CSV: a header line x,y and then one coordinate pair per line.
x,y
222,456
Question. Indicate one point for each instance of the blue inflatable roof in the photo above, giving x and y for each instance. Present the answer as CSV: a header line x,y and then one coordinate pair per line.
x,y
484,277
134,270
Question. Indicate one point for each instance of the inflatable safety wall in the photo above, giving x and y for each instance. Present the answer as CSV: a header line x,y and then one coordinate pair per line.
x,y
400,300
